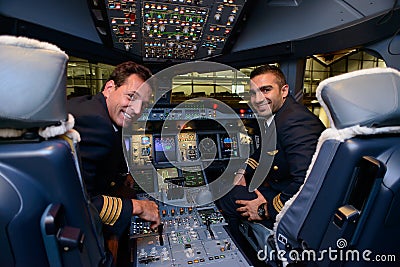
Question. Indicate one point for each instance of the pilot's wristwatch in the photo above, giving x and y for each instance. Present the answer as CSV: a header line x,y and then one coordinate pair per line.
x,y
261,211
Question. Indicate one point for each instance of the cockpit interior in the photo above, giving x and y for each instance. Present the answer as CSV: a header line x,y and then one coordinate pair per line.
x,y
341,60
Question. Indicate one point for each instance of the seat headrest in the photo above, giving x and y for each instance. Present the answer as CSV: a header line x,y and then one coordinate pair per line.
x,y
368,97
32,83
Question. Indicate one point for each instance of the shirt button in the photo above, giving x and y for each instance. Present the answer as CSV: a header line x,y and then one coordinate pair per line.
x,y
112,183
276,168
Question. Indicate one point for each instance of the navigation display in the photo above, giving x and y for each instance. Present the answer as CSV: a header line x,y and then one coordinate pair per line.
x,y
164,149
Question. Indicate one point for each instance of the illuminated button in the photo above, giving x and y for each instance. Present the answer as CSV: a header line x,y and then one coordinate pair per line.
x,y
190,262
196,261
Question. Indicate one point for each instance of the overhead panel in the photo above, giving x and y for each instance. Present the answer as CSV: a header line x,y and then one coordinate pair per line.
x,y
177,30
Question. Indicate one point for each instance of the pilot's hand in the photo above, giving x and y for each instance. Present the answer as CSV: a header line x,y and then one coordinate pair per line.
x,y
249,207
148,211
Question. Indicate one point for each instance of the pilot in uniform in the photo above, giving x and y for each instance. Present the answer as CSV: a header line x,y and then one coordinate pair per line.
x,y
297,132
99,120
103,162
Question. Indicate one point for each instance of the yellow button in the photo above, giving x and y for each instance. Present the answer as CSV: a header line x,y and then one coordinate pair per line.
x,y
112,183
276,168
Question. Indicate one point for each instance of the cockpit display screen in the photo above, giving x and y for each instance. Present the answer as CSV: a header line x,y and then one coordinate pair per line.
x,y
165,149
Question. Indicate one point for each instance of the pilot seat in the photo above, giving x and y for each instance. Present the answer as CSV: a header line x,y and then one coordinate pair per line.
x,y
46,217
347,212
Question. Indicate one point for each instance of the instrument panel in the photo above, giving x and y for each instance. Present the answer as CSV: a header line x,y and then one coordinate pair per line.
x,y
175,155
197,112
188,236
173,29
177,159
186,147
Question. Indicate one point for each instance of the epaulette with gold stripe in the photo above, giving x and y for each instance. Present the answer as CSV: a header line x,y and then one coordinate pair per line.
x,y
277,203
252,163
111,210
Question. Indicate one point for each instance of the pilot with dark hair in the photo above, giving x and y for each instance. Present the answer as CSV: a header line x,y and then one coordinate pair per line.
x,y
99,120
297,133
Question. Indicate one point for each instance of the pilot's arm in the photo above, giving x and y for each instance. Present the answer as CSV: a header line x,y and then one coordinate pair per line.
x,y
116,212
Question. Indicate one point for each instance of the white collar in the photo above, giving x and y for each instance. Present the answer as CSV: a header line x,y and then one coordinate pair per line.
x,y
269,120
